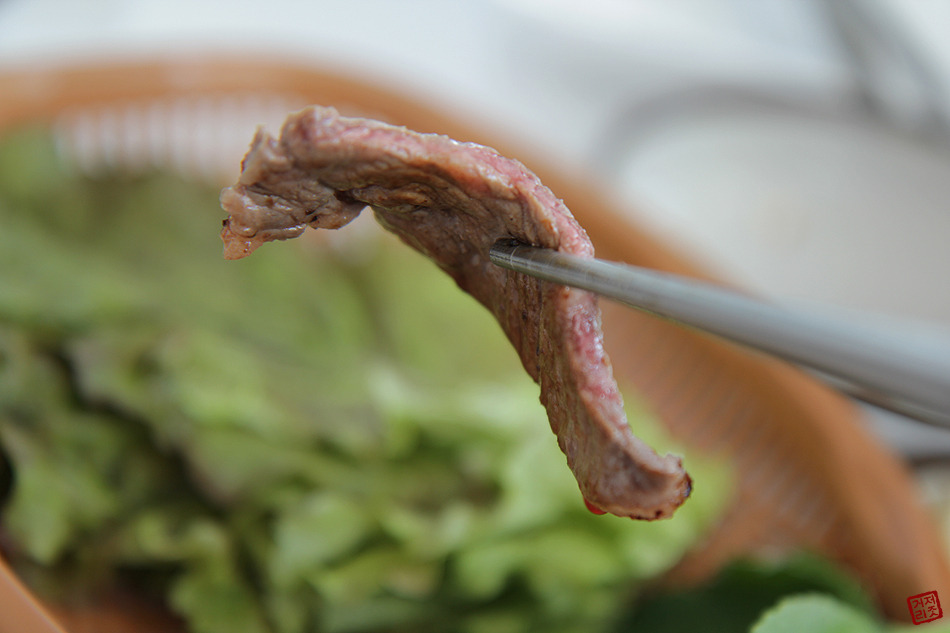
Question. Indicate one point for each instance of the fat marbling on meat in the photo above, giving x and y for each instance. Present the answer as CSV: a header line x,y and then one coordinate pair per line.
x,y
452,201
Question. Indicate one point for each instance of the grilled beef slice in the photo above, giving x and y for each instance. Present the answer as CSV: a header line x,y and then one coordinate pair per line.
x,y
452,201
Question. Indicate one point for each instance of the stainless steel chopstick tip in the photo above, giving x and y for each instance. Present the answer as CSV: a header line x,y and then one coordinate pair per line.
x,y
874,362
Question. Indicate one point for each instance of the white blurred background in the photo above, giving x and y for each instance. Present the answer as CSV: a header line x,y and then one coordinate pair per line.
x,y
800,147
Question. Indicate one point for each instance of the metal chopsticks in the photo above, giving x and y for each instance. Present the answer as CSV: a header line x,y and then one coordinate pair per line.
x,y
876,366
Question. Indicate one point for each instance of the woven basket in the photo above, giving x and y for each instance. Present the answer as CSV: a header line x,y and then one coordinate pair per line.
x,y
809,474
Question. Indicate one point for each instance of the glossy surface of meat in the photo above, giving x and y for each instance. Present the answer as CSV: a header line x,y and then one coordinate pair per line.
x,y
452,201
